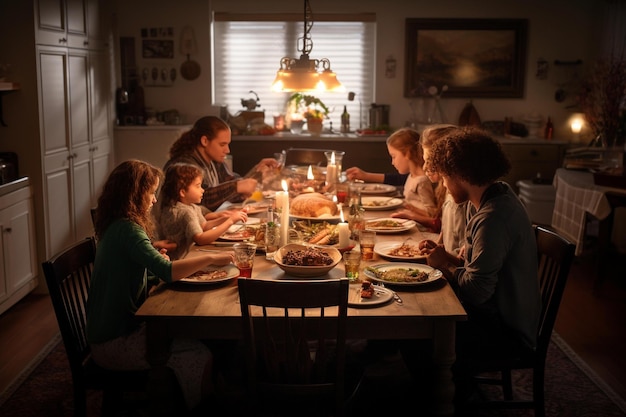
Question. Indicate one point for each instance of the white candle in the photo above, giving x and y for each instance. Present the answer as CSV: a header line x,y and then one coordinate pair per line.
x,y
331,170
282,203
344,235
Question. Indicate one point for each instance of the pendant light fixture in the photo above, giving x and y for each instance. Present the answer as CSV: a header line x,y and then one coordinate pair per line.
x,y
306,74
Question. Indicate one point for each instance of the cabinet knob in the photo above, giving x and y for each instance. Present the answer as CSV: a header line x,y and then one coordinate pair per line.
x,y
62,40
7,230
534,152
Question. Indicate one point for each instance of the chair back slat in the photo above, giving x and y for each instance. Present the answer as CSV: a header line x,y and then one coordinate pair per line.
x,y
68,276
293,349
555,256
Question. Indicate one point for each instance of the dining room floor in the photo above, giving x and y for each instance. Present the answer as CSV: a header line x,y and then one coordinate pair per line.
x,y
591,323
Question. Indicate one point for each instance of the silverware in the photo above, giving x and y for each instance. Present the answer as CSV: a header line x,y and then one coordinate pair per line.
x,y
396,297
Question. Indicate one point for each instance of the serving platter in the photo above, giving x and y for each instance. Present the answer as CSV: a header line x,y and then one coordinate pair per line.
x,y
380,203
327,217
433,274
377,189
381,296
203,279
389,225
350,246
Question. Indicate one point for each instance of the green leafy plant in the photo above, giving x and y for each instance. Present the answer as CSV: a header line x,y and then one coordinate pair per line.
x,y
309,106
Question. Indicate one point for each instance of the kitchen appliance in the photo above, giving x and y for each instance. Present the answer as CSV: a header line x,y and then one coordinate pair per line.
x,y
379,116
8,167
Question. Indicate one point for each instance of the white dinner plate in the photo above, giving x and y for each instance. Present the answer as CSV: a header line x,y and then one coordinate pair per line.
x,y
433,274
240,232
403,225
380,203
231,272
351,245
376,189
383,249
381,296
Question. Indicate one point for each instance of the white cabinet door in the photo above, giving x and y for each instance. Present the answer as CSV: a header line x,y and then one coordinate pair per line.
x,y
18,241
53,100
61,23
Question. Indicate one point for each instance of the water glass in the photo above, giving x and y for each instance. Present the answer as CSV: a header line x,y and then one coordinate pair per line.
x,y
244,258
367,240
272,239
352,264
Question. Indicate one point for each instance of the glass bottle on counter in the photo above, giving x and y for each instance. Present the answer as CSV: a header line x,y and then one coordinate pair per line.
x,y
345,120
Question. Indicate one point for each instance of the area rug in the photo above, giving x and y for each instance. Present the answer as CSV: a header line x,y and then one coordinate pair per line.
x,y
572,389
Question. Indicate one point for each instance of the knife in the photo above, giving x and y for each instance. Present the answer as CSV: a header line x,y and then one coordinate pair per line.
x,y
396,297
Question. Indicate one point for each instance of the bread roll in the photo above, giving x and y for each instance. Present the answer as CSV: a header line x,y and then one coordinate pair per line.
x,y
312,205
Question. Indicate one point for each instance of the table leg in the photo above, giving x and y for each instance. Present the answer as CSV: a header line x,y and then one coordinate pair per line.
x,y
444,355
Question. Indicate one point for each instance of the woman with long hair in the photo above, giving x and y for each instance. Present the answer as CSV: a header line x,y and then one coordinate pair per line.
x,y
126,265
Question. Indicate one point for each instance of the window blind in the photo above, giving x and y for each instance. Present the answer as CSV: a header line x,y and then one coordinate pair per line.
x,y
247,50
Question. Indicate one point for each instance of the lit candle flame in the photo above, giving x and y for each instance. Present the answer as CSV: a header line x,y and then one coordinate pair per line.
x,y
309,174
576,125
332,158
284,185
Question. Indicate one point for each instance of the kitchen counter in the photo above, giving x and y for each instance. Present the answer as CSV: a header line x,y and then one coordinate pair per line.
x,y
14,186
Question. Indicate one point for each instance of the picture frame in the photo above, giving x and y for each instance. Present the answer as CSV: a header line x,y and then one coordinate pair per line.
x,y
474,58
152,48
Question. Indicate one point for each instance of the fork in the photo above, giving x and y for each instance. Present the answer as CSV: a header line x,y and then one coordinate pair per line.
x,y
396,297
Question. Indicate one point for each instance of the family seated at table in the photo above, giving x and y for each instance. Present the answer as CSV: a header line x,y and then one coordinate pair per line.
x,y
490,263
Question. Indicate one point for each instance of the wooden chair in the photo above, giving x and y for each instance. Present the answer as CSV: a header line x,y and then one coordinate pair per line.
x,y
296,362
555,256
306,156
68,276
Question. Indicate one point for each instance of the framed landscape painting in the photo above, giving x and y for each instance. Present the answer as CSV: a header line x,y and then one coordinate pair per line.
x,y
473,57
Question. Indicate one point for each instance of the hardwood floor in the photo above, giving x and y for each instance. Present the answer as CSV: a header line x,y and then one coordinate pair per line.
x,y
591,323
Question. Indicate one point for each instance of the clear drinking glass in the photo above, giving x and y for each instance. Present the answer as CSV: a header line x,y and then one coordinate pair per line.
x,y
352,264
367,240
244,258
272,239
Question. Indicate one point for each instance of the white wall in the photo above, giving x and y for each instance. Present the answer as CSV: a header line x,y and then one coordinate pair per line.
x,y
566,30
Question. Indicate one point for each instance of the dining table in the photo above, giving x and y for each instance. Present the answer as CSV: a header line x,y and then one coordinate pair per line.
x,y
212,311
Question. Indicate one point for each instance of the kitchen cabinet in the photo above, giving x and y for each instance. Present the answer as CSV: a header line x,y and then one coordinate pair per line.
x,y
367,152
61,126
18,252
532,158
77,155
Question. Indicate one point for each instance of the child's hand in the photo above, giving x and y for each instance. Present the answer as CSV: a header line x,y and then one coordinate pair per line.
x,y
222,258
239,216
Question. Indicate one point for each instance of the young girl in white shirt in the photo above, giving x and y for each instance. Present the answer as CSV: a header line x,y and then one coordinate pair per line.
x,y
180,215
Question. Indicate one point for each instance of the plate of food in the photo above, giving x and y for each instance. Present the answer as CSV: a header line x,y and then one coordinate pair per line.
x,y
365,295
240,232
403,273
405,251
380,203
389,225
306,261
253,207
320,233
212,275
375,189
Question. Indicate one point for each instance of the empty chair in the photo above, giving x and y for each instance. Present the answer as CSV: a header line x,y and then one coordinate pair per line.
x,y
306,156
295,347
555,256
68,276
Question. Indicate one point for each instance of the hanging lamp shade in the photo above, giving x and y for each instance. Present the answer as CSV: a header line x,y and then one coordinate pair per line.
x,y
306,74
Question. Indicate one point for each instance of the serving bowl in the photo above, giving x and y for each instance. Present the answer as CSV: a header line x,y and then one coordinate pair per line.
x,y
306,271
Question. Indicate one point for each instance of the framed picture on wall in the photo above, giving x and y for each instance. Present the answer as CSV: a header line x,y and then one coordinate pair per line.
x,y
152,48
473,57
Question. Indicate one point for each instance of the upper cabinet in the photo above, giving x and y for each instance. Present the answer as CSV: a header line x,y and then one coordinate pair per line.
x,y
69,23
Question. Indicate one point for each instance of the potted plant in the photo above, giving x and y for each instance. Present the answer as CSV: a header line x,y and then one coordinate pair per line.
x,y
308,107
